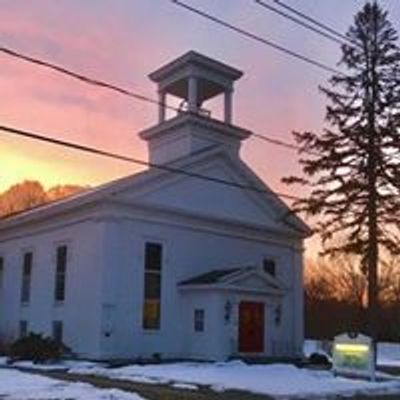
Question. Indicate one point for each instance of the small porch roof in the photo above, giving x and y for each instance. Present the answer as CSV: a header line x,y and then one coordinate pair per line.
x,y
240,279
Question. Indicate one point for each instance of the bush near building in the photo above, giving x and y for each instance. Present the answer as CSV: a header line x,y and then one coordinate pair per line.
x,y
37,348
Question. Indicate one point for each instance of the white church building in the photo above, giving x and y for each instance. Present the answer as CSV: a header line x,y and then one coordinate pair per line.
x,y
198,259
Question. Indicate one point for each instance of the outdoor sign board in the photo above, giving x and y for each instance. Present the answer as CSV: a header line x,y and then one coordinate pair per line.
x,y
354,354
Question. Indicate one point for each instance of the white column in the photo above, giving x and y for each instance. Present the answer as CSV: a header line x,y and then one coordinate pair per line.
x,y
228,105
161,106
192,94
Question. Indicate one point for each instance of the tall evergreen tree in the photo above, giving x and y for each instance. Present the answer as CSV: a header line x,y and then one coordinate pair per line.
x,y
355,176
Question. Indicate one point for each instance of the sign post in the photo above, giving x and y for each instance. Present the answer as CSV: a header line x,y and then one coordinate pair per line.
x,y
354,354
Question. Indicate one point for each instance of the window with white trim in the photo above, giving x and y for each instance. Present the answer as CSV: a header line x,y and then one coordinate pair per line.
x,y
152,286
199,320
61,270
26,277
269,266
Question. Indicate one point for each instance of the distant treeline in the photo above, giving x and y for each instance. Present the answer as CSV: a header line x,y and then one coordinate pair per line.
x,y
29,194
335,299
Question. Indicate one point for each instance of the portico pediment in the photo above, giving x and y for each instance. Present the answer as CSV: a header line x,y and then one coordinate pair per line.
x,y
248,279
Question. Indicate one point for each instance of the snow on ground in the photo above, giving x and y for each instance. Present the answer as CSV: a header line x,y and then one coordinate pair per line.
x,y
186,386
16,385
279,380
316,346
54,366
389,354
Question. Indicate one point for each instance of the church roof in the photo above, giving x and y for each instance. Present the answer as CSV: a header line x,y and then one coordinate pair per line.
x,y
140,181
194,58
214,276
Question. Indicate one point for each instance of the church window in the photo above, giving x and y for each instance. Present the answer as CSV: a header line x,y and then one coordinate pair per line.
x,y
61,269
269,266
26,277
152,286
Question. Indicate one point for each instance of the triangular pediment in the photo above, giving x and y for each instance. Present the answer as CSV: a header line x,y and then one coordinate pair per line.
x,y
211,198
248,279
255,279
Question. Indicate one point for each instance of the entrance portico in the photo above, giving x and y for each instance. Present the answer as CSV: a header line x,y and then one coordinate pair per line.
x,y
244,303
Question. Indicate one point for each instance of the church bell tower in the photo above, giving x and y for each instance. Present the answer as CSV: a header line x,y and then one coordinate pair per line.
x,y
194,78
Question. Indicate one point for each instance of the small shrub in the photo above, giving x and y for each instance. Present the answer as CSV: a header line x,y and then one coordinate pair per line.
x,y
37,348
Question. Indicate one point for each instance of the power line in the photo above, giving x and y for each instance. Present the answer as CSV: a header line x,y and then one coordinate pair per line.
x,y
121,90
258,38
285,144
76,146
83,78
300,22
314,21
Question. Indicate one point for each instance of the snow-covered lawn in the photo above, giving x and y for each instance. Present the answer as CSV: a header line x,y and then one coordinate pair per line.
x,y
16,385
279,380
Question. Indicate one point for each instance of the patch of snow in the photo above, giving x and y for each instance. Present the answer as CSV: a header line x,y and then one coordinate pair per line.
x,y
55,366
141,379
82,365
316,346
309,347
278,380
185,386
39,367
389,354
16,385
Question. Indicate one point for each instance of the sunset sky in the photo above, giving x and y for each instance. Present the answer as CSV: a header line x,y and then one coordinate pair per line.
x,y
121,42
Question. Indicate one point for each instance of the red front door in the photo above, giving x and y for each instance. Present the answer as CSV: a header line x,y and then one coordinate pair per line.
x,y
251,327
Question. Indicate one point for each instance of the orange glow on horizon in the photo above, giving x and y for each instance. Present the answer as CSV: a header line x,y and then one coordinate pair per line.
x,y
57,167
